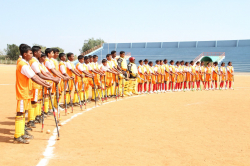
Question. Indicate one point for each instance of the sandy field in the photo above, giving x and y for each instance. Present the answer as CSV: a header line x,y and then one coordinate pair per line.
x,y
179,128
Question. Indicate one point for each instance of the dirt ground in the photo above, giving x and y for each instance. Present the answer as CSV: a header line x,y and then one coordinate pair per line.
x,y
180,128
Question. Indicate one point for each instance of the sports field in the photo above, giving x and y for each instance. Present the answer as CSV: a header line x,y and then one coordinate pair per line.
x,y
180,128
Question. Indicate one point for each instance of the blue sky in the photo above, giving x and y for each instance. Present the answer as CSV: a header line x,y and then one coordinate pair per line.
x,y
67,23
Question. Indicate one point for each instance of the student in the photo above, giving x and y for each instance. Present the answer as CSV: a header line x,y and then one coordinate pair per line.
x,y
223,74
193,75
187,71
20,56
230,75
173,75
122,65
167,74
133,72
198,76
162,68
202,74
141,73
111,75
215,74
182,74
71,71
208,72
147,76
24,78
87,80
118,70
153,77
178,77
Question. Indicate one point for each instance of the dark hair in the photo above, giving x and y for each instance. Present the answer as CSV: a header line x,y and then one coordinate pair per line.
x,y
216,63
69,54
171,61
112,52
61,55
197,62
121,52
108,55
186,63
156,61
181,61
202,61
161,60
229,62
150,62
20,46
208,63
140,61
25,49
43,54
191,62
90,56
48,51
35,49
146,60
55,50
86,57
95,56
177,62
165,60
104,60
80,57
222,63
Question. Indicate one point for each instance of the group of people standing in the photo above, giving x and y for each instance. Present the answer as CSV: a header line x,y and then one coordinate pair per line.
x,y
49,82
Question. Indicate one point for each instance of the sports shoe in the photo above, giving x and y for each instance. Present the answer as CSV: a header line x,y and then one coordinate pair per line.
x,y
31,124
37,119
151,92
20,140
27,136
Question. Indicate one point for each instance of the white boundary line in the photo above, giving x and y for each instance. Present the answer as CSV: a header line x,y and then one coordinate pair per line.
x,y
48,153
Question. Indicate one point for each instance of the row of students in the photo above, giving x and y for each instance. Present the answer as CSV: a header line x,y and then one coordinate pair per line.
x,y
164,77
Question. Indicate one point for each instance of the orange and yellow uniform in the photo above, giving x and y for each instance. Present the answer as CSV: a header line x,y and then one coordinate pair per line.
x,y
215,71
24,73
153,77
223,73
198,75
141,71
178,71
230,71
147,69
166,68
202,75
70,66
193,77
109,76
172,69
49,64
208,70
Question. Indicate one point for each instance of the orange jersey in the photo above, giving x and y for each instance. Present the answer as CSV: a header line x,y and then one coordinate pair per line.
x,y
23,83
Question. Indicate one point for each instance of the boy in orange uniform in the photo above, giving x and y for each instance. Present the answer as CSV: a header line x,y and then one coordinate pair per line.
x,y
152,77
71,71
162,67
198,75
202,74
215,74
193,74
173,75
141,72
167,74
230,75
24,78
148,73
208,73
157,70
223,74
111,75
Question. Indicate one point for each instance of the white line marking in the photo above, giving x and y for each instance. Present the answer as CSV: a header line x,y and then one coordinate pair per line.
x,y
48,153
7,84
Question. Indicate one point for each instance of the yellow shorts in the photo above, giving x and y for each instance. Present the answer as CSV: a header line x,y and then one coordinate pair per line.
x,y
37,95
23,105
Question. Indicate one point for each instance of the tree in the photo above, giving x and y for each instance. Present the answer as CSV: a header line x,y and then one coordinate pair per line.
x,y
91,44
43,48
12,51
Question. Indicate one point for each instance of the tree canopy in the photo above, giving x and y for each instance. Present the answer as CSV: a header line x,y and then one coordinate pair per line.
x,y
12,51
91,44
